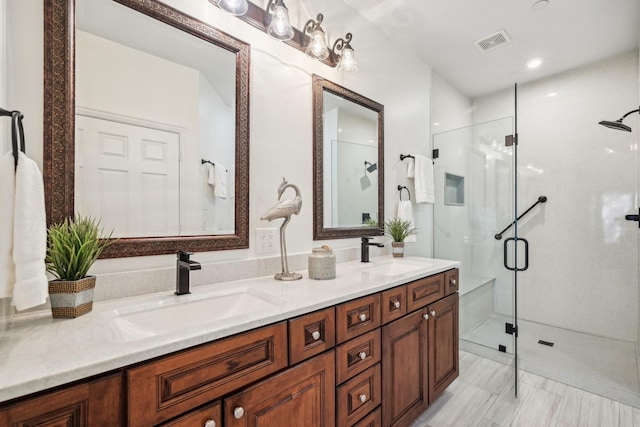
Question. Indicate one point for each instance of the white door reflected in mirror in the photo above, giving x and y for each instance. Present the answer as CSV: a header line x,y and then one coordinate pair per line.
x,y
140,78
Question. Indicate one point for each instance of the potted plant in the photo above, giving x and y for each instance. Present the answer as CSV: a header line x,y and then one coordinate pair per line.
x,y
398,229
72,247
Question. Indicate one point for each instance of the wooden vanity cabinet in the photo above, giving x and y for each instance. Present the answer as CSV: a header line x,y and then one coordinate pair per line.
x,y
300,396
378,360
95,402
420,350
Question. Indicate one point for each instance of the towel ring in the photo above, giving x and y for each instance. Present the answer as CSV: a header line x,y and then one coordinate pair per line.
x,y
402,187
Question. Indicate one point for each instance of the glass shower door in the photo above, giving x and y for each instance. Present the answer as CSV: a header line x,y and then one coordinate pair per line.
x,y
475,200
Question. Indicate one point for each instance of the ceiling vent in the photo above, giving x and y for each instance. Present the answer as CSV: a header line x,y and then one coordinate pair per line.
x,y
493,41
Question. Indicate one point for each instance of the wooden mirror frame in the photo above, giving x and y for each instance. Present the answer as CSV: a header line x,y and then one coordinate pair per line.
x,y
320,232
59,126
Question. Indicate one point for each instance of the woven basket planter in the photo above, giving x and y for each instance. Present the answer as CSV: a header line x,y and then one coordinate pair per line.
x,y
397,248
71,299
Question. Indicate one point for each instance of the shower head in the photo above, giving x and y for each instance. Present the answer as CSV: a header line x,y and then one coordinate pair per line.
x,y
371,167
615,125
618,125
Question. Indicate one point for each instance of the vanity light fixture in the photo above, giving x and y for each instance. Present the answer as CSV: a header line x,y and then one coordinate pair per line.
x,y
343,54
316,44
234,7
277,16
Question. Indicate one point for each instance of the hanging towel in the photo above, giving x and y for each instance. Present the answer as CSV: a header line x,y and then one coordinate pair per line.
x,y
405,212
211,174
411,167
29,236
220,188
7,190
425,191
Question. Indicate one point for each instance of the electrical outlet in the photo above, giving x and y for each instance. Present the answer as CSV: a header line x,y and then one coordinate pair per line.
x,y
266,240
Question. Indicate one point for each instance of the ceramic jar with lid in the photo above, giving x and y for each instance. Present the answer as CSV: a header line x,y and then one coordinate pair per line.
x,y
322,263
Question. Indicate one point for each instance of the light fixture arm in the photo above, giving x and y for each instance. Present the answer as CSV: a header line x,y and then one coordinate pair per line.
x,y
312,25
637,110
341,44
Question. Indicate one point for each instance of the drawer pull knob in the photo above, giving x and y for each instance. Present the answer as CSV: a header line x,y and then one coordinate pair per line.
x,y
315,335
426,316
453,282
362,355
363,398
362,317
210,423
433,313
396,304
238,412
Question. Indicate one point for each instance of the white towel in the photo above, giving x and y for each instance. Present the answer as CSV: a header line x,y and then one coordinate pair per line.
x,y
425,190
220,188
411,168
405,212
29,236
7,191
211,174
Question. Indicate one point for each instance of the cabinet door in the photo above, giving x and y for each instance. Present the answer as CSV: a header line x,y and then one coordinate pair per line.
x,y
94,403
301,396
443,344
404,369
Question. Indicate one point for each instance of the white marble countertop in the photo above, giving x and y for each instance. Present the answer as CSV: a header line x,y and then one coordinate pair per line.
x,y
38,352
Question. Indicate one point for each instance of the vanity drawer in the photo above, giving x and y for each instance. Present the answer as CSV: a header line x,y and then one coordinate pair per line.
x,y
200,417
357,354
393,304
374,419
358,396
451,281
176,384
357,317
311,334
425,291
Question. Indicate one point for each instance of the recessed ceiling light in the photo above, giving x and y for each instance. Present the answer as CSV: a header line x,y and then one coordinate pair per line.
x,y
436,124
540,4
534,63
550,94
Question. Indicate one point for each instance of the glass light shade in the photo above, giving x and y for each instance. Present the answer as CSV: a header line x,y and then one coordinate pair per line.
x,y
234,7
317,47
348,60
280,27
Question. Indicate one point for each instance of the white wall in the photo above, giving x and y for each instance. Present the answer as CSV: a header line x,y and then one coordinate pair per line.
x,y
281,121
24,64
583,272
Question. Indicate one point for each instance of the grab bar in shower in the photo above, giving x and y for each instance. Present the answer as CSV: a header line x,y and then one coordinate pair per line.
x,y
541,199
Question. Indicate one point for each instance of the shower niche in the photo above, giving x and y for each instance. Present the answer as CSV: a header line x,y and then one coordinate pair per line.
x,y
453,189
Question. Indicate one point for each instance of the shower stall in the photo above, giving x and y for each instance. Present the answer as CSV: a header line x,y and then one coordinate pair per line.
x,y
549,258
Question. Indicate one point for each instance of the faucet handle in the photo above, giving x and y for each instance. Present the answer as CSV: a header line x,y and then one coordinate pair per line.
x,y
365,239
184,256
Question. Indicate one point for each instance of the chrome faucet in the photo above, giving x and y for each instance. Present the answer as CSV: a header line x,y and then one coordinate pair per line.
x,y
364,248
183,267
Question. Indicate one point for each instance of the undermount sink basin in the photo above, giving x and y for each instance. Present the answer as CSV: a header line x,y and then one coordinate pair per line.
x,y
393,268
175,313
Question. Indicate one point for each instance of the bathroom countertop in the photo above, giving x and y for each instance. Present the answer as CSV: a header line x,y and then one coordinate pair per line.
x,y
39,352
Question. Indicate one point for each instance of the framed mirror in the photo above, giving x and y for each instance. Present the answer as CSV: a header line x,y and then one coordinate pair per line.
x,y
146,126
348,163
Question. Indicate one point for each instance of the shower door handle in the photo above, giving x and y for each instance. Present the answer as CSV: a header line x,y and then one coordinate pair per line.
x,y
633,217
526,254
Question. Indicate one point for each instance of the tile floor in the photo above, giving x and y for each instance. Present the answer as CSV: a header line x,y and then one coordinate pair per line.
x,y
482,396
600,365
